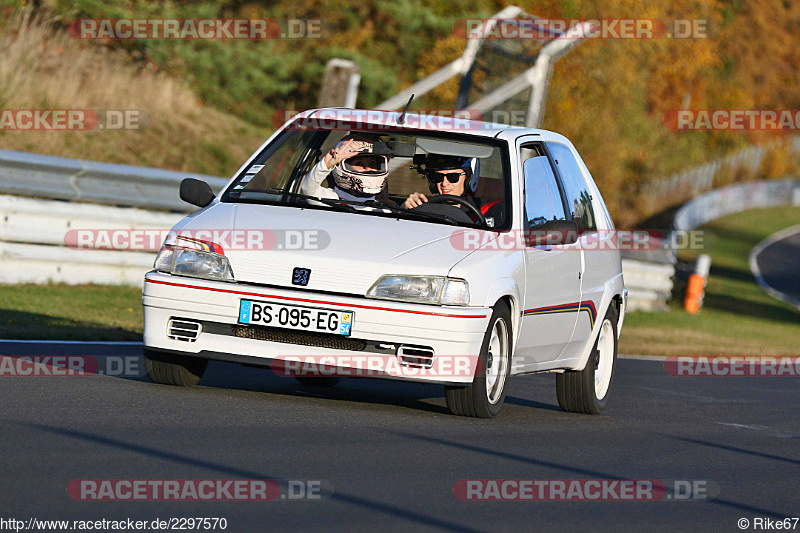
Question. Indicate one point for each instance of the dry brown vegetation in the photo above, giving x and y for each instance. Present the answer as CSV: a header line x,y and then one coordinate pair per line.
x,y
45,69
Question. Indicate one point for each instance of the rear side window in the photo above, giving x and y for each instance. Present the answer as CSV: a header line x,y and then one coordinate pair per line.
x,y
542,197
579,200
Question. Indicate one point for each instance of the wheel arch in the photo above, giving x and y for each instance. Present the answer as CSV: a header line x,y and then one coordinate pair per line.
x,y
613,297
513,306
507,289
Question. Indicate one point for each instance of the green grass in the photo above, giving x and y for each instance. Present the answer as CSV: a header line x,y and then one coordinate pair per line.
x,y
71,312
737,317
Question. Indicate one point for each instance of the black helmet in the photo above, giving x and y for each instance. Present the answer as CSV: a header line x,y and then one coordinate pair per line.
x,y
434,162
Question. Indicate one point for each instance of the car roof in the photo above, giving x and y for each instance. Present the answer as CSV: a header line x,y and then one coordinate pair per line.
x,y
417,122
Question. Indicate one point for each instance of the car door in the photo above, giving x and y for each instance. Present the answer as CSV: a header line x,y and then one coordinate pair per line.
x,y
596,254
552,272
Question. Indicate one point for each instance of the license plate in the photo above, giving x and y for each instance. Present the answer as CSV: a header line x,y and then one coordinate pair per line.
x,y
295,317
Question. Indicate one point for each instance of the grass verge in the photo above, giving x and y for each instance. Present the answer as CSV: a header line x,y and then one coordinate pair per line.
x,y
737,317
71,312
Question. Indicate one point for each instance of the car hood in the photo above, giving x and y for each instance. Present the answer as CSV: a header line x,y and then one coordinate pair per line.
x,y
345,252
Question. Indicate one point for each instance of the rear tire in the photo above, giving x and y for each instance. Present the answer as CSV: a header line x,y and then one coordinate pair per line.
x,y
326,381
485,397
586,391
170,369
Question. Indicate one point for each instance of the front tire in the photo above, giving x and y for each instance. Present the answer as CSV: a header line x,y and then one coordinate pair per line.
x,y
485,396
586,391
170,369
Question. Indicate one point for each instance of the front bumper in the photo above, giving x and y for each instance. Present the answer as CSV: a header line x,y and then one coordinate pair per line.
x,y
450,332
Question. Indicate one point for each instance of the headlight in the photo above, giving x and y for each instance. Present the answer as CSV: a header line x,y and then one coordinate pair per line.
x,y
193,263
199,264
164,258
421,289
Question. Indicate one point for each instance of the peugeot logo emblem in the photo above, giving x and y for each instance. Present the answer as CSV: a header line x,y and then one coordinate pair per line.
x,y
300,276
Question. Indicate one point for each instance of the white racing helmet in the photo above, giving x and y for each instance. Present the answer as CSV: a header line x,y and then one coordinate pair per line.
x,y
364,173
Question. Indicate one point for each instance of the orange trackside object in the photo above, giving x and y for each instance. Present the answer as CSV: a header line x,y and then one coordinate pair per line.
x,y
694,292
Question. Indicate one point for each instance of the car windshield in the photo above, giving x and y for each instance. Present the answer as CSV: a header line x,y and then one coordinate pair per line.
x,y
278,173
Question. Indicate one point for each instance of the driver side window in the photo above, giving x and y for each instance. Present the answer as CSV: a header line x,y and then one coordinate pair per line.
x,y
542,197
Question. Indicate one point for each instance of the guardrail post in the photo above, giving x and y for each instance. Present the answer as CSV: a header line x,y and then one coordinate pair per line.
x,y
340,84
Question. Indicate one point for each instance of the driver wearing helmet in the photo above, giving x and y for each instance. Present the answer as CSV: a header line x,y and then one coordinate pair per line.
x,y
457,176
358,174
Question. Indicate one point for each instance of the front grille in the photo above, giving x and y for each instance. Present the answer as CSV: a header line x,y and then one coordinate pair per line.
x,y
181,329
305,338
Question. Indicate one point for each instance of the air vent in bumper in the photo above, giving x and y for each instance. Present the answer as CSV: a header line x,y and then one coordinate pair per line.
x,y
415,356
181,329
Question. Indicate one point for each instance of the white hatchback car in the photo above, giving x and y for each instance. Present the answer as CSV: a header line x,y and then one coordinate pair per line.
x,y
504,274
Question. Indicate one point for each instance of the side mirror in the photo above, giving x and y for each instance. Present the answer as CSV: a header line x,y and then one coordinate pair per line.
x,y
554,232
196,192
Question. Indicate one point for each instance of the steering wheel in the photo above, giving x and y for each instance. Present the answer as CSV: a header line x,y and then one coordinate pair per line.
x,y
451,198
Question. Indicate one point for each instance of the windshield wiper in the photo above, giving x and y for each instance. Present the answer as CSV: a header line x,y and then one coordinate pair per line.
x,y
343,204
427,216
347,205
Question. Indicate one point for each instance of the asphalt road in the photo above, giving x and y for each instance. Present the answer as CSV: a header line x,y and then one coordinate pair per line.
x,y
778,263
388,454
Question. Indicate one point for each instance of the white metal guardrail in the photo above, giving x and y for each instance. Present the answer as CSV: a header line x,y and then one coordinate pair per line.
x,y
35,263
735,198
34,235
34,219
649,284
43,176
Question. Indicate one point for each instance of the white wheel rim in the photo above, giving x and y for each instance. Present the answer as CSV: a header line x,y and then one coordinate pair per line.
x,y
605,366
497,361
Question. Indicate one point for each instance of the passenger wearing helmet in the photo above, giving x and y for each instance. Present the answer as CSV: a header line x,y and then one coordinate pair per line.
x,y
358,174
457,176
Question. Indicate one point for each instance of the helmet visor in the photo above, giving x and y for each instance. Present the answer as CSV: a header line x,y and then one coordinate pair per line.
x,y
366,164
